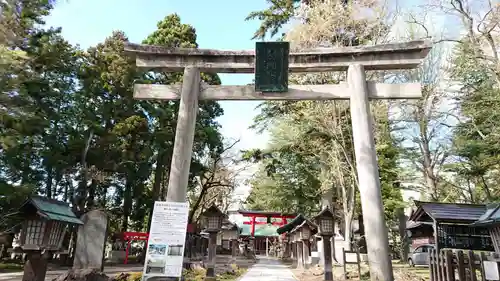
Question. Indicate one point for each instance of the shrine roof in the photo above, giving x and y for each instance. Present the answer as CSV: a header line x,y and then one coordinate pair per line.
x,y
264,213
291,225
447,212
490,216
52,209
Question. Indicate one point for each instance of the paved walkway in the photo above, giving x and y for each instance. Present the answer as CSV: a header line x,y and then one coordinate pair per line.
x,y
268,269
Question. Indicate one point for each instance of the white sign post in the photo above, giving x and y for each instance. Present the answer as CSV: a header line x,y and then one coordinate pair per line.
x,y
167,236
491,271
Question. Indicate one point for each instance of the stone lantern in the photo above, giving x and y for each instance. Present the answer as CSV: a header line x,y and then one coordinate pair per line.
x,y
299,247
305,230
293,246
232,234
44,225
212,219
325,222
286,245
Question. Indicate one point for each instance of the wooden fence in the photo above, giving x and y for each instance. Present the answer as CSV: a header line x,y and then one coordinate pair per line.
x,y
459,265
346,261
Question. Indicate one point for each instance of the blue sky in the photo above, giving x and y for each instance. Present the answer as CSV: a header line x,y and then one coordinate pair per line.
x,y
219,24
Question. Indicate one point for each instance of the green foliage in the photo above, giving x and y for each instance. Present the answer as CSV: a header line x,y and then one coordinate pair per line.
x,y
7,267
475,140
273,18
311,153
71,129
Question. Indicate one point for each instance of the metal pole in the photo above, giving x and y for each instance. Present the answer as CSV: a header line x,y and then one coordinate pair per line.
x,y
368,176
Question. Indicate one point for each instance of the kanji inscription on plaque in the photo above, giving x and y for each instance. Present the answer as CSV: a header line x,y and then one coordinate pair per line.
x,y
271,66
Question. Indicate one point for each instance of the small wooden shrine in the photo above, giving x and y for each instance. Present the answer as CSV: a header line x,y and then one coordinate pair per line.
x,y
448,225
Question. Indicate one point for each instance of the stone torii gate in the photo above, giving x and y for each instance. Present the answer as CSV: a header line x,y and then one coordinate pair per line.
x,y
353,59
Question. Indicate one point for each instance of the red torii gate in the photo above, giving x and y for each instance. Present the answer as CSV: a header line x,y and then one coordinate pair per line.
x,y
269,215
129,236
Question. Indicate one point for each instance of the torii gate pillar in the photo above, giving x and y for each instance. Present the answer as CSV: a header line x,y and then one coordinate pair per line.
x,y
353,59
368,175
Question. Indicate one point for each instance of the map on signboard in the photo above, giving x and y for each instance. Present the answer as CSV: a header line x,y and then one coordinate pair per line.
x,y
271,66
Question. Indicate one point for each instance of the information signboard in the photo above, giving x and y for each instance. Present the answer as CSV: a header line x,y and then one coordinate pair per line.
x,y
167,237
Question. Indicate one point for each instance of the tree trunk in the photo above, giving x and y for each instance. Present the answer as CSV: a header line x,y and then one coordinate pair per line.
x,y
159,171
91,195
127,204
196,205
348,229
402,235
48,183
427,163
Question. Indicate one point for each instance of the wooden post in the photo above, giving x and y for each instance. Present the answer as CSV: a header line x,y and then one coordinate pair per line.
x,y
212,246
327,258
300,255
252,226
442,266
461,266
344,264
184,136
435,225
358,260
234,248
377,241
432,265
305,253
267,246
450,271
472,265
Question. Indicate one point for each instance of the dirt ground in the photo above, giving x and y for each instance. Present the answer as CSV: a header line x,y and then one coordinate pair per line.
x,y
401,273
224,263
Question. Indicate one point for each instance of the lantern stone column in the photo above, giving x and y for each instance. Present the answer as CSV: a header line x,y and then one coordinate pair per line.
x,y
35,268
212,254
298,248
213,222
305,252
286,247
234,248
324,221
300,255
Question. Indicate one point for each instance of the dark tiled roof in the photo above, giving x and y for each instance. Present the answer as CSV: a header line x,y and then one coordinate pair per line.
x,y
490,216
451,211
291,225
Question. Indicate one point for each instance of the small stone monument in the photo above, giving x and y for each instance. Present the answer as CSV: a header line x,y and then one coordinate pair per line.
x,y
91,240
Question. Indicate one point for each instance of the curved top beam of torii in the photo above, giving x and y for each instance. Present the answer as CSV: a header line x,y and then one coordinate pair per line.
x,y
405,55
